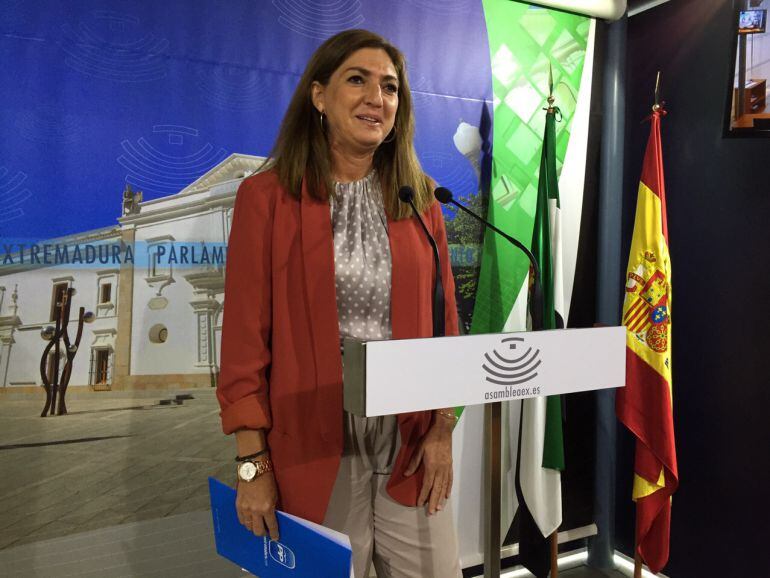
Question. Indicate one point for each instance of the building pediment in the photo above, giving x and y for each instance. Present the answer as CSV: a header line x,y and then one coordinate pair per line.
x,y
215,188
236,166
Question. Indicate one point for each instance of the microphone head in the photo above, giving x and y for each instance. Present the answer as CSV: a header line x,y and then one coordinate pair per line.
x,y
443,195
406,194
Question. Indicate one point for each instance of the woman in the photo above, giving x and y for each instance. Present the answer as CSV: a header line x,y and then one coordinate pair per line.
x,y
321,248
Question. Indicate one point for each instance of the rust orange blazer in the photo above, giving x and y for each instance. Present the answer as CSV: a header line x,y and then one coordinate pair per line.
x,y
281,367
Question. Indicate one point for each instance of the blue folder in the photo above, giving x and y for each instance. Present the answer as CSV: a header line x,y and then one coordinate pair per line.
x,y
305,549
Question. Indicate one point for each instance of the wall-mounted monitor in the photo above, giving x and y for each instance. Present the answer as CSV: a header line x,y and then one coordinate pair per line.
x,y
747,110
751,21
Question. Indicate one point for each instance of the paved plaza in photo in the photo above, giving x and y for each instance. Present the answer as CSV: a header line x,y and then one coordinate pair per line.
x,y
120,481
118,487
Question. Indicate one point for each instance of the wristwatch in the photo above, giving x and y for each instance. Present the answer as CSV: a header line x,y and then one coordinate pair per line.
x,y
250,470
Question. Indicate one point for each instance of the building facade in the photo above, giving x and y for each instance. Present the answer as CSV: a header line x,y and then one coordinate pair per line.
x,y
155,283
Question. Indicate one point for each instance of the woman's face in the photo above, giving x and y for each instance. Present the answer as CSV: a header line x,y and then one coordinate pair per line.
x,y
360,101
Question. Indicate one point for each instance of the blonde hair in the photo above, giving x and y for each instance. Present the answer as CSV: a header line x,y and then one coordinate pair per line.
x,y
301,151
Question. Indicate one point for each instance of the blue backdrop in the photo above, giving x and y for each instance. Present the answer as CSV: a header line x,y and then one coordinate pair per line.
x,y
96,95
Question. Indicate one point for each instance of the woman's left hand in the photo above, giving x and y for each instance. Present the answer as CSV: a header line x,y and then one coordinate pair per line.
x,y
436,452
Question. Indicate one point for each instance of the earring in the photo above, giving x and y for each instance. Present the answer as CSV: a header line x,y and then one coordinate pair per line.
x,y
392,138
322,122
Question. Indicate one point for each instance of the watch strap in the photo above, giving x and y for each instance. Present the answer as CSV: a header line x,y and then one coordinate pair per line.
x,y
262,467
251,456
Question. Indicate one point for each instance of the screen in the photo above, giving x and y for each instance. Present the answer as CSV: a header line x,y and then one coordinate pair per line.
x,y
751,21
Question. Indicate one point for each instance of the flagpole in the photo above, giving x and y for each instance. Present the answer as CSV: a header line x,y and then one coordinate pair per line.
x,y
637,565
555,554
637,556
492,482
554,538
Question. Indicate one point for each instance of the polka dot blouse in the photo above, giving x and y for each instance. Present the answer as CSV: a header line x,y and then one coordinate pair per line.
x,y
361,259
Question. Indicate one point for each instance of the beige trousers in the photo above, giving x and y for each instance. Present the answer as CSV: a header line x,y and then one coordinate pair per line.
x,y
400,541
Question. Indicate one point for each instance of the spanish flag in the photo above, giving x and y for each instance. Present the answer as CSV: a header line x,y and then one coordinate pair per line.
x,y
645,404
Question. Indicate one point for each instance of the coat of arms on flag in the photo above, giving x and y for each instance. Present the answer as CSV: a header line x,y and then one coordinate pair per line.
x,y
646,304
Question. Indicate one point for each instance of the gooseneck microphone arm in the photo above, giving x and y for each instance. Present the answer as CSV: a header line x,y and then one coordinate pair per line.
x,y
406,195
444,196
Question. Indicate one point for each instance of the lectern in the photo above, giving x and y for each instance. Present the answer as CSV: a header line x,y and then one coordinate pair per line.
x,y
401,376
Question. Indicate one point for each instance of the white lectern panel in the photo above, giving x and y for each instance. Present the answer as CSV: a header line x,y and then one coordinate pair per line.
x,y
417,374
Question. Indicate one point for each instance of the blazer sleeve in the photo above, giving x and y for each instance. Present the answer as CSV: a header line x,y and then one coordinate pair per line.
x,y
450,300
243,388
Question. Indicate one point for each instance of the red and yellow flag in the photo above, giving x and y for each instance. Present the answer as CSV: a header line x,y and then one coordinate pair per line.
x,y
645,404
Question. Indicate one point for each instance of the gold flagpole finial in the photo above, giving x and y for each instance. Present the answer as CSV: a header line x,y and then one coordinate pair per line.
x,y
657,106
551,99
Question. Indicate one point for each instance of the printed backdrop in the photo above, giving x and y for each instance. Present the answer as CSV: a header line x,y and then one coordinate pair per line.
x,y
154,95
178,100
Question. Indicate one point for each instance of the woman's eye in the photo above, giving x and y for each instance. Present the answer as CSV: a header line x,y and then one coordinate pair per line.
x,y
356,79
391,89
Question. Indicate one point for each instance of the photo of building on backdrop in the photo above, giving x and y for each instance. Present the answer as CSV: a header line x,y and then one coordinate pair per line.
x,y
129,129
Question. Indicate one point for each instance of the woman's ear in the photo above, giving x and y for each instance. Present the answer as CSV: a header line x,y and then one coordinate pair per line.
x,y
317,96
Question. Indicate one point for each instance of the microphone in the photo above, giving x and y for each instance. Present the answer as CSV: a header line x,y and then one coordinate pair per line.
x,y
444,196
406,195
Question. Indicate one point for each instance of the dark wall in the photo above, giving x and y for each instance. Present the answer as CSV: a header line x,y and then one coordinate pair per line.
x,y
718,193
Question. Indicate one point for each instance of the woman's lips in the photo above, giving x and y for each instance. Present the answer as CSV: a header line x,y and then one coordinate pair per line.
x,y
369,119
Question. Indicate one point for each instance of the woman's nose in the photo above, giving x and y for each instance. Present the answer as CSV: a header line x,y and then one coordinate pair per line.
x,y
374,94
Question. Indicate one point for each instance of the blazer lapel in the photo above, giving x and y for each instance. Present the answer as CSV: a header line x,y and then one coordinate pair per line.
x,y
320,295
408,319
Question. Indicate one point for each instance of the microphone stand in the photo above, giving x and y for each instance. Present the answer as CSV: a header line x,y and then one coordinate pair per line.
x,y
493,411
406,195
536,311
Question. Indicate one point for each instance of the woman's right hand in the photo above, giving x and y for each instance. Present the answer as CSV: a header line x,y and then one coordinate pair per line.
x,y
255,504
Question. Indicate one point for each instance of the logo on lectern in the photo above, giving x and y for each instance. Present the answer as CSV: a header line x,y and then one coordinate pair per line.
x,y
511,367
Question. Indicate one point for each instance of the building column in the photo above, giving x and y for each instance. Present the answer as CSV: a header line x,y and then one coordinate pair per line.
x,y
6,342
122,359
8,325
205,310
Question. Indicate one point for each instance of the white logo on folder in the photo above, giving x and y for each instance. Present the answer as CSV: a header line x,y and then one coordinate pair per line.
x,y
282,554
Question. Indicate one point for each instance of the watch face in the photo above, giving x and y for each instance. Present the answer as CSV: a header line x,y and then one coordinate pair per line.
x,y
247,471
